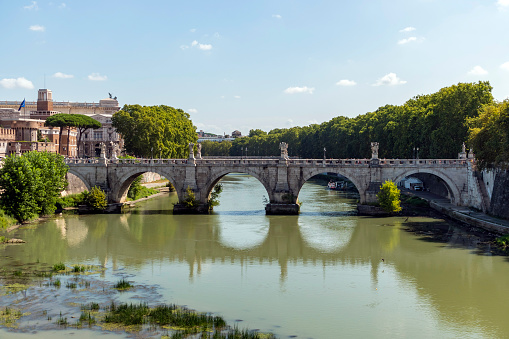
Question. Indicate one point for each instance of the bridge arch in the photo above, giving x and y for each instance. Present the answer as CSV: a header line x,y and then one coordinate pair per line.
x,y
119,191
451,186
81,177
217,176
350,176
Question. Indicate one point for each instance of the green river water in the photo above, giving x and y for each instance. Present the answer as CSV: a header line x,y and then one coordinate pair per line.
x,y
326,273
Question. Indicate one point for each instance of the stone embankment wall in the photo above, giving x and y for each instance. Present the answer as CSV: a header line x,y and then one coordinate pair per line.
x,y
500,197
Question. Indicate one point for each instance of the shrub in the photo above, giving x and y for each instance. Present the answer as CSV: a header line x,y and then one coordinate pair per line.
x,y
96,198
214,196
389,197
190,200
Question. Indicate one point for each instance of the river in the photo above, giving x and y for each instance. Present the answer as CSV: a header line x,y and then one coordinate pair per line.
x,y
325,273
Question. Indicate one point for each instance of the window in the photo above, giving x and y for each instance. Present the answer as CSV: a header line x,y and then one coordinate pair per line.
x,y
98,135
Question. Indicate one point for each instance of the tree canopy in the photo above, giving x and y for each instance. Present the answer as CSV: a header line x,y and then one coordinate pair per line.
x,y
155,130
31,184
389,197
80,121
435,123
489,135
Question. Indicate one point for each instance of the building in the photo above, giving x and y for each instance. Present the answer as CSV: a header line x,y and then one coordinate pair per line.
x,y
91,139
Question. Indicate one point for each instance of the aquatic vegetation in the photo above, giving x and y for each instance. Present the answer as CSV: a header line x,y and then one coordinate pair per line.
x,y
87,318
12,288
90,307
123,285
503,241
59,267
9,316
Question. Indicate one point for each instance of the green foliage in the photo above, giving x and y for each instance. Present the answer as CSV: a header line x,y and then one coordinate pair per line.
x,y
256,132
135,188
211,148
190,200
170,186
489,135
214,196
123,284
138,191
389,197
6,220
435,123
79,121
59,267
155,130
503,241
71,200
414,201
32,184
96,199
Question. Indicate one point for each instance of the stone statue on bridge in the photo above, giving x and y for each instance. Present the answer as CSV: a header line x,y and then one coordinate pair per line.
x,y
33,146
114,150
102,146
17,147
284,150
374,150
191,150
198,151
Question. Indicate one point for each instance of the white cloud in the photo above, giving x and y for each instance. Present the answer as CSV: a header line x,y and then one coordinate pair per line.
x,y
277,16
203,47
236,96
406,41
192,30
503,4
62,75
289,123
16,83
389,79
346,82
192,110
407,29
37,28
32,6
313,122
305,89
478,70
184,47
505,66
97,77
62,5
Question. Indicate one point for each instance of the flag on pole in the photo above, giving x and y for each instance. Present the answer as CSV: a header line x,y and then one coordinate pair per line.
x,y
22,105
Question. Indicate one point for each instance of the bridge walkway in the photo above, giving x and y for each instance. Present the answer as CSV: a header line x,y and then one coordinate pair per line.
x,y
462,213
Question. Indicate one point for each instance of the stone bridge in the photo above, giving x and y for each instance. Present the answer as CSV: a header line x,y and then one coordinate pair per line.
x,y
282,177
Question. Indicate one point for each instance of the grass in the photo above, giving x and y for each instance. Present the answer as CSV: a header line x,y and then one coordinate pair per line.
x,y
143,192
123,285
6,220
59,267
414,201
71,200
163,315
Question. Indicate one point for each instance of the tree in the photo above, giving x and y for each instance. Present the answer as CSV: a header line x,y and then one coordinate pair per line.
x,y
149,130
96,199
31,184
80,121
389,197
489,136
256,132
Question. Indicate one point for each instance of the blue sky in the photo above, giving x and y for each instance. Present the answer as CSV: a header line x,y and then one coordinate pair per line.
x,y
252,64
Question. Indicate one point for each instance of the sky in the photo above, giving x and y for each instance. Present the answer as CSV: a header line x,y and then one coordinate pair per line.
x,y
241,65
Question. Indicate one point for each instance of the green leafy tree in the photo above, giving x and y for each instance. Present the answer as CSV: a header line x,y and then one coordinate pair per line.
x,y
214,196
31,184
154,130
96,199
389,197
489,136
190,200
79,121
135,188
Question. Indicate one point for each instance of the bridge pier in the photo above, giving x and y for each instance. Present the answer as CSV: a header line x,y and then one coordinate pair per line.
x,y
282,209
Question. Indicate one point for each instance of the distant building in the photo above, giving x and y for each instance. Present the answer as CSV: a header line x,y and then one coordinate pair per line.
x,y
202,136
91,139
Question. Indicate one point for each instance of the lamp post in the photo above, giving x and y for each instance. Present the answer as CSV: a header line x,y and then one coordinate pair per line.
x,y
160,154
324,150
241,152
413,154
152,152
246,152
417,153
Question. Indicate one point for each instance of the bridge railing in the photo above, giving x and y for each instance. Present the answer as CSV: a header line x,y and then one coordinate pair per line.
x,y
271,161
